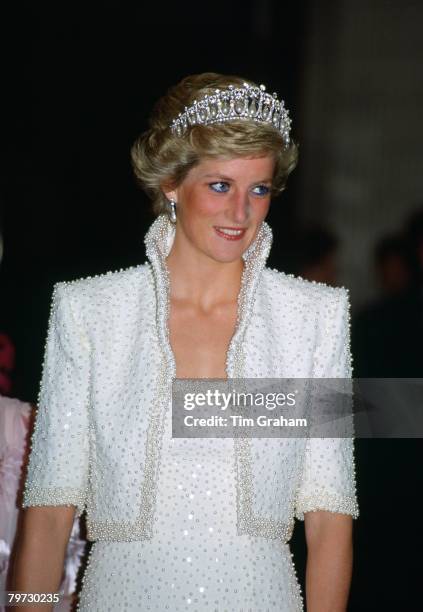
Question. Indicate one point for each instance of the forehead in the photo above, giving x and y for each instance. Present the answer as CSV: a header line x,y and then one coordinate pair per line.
x,y
248,168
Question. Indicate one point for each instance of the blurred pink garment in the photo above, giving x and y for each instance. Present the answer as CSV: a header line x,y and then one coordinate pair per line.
x,y
7,353
14,423
7,363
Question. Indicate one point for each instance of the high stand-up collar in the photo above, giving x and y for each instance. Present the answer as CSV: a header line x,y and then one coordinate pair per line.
x,y
159,240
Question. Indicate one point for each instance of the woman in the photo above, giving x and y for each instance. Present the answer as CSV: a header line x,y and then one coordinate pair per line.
x,y
200,524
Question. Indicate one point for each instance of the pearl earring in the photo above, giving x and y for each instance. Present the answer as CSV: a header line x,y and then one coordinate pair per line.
x,y
172,213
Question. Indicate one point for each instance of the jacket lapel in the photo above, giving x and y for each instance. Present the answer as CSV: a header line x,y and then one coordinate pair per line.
x,y
158,242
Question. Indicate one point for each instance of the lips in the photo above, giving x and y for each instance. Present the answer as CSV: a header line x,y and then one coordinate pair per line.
x,y
230,233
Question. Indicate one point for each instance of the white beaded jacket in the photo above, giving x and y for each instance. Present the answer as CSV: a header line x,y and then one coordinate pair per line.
x,y
106,387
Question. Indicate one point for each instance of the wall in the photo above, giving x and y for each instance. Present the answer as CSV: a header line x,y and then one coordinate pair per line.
x,y
360,125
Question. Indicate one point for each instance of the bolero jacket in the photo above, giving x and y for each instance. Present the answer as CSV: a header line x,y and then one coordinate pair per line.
x,y
106,388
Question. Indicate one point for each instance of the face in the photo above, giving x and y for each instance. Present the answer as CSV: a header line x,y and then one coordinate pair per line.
x,y
221,204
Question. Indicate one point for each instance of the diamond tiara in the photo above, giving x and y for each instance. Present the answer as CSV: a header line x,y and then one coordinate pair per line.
x,y
248,103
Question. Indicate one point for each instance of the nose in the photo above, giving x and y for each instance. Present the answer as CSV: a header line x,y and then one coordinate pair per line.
x,y
240,207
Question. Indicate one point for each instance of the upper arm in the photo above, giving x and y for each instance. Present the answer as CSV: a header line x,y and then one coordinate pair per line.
x,y
323,524
54,518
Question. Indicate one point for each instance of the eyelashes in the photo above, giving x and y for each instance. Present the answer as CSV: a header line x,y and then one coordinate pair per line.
x,y
223,187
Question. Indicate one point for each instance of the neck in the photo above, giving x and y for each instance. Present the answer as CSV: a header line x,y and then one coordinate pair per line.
x,y
196,277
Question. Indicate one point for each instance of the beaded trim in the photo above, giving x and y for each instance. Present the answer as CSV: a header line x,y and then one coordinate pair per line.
x,y
37,496
158,241
248,522
321,499
143,527
155,240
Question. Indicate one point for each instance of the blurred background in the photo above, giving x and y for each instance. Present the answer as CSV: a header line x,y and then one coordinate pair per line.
x,y
78,84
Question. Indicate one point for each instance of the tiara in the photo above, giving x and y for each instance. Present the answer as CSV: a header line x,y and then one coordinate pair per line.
x,y
248,103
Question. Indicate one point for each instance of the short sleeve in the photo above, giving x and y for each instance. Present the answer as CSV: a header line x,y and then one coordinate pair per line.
x,y
328,479
58,460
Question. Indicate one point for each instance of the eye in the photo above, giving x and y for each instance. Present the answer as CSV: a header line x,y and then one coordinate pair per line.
x,y
261,190
219,187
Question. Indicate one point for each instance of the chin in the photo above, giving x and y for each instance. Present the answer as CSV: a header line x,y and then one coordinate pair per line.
x,y
227,255
222,258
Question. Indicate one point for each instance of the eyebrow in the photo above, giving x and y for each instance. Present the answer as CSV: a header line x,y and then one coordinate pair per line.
x,y
229,179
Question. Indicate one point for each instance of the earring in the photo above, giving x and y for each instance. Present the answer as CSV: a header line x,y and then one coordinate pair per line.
x,y
172,213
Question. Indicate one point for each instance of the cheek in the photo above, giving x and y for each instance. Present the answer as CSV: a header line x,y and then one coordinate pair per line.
x,y
203,204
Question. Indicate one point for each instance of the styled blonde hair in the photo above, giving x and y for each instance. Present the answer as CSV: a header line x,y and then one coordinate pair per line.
x,y
161,159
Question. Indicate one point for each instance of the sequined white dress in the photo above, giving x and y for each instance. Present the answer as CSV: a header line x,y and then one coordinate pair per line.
x,y
195,561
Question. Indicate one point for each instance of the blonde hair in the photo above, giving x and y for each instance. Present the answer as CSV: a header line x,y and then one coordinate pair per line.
x,y
161,159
